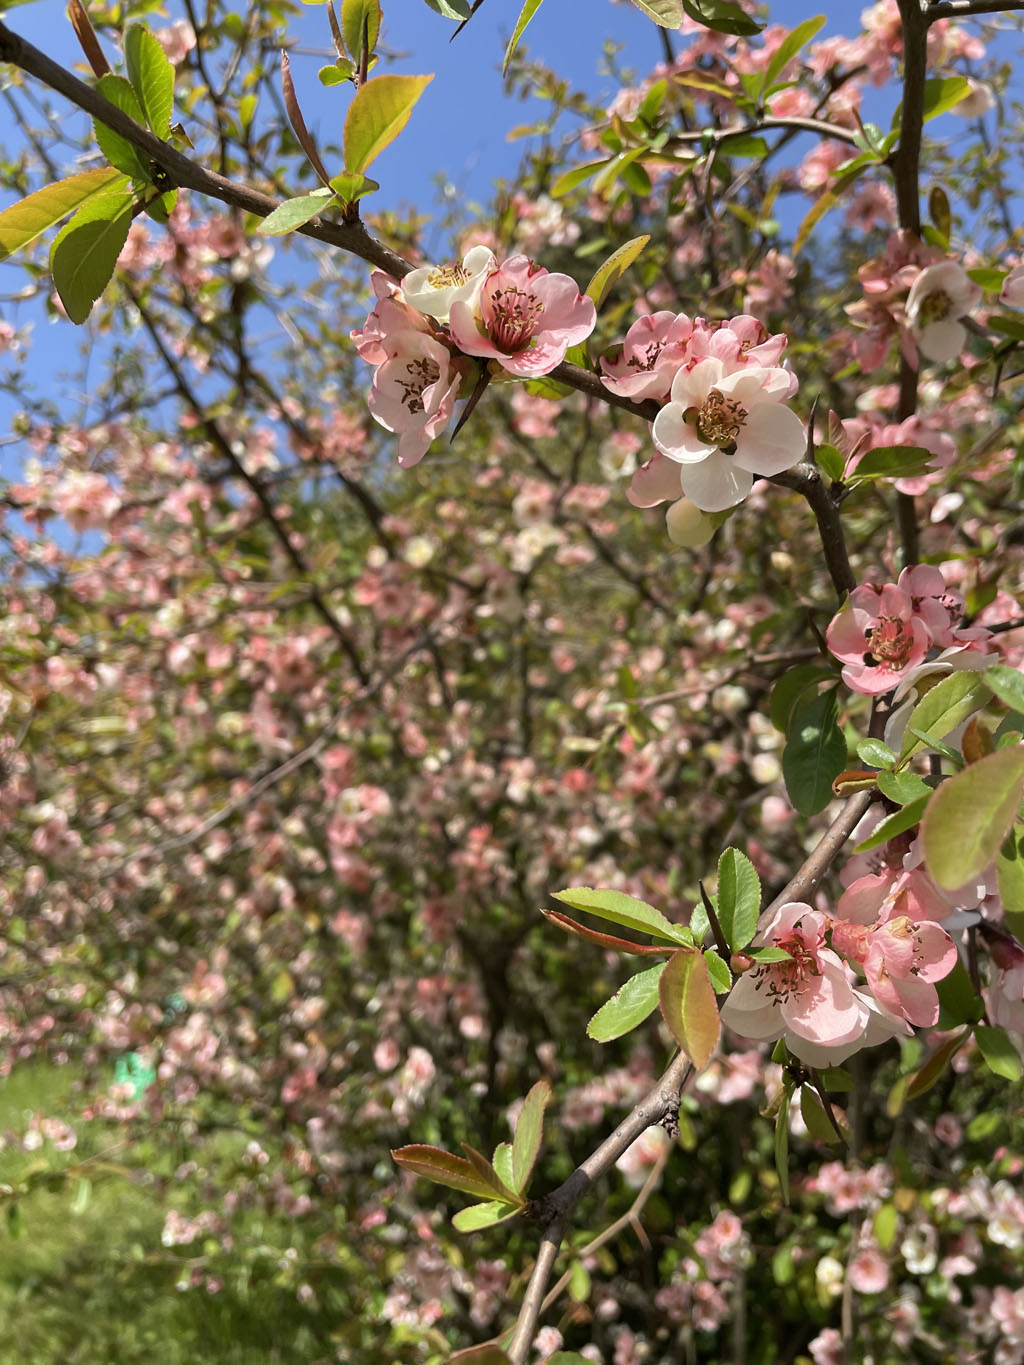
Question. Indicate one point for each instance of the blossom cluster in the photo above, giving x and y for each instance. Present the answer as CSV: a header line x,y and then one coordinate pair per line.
x,y
813,999
883,635
724,417
420,333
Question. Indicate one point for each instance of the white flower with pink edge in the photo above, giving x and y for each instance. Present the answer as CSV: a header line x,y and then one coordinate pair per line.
x,y
722,427
525,318
434,288
938,299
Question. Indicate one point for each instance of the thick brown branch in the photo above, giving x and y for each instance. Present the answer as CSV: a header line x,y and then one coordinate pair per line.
x,y
963,9
806,479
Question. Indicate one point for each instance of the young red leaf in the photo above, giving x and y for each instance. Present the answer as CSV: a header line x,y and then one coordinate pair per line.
x,y
433,1163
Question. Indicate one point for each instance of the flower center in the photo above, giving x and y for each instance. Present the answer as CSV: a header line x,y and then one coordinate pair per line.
x,y
783,979
446,276
650,357
514,317
889,644
935,307
422,373
720,420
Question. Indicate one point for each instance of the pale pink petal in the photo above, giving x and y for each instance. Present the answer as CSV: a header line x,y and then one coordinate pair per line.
x,y
656,481
772,440
716,483
678,438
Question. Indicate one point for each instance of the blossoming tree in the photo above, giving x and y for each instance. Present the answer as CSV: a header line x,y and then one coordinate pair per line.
x,y
318,685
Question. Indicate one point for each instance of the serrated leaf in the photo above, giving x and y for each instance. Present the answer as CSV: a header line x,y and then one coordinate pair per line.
x,y
739,898
620,909
969,816
830,461
29,218
1001,1057
812,1111
294,212
354,15
85,251
502,1163
903,787
377,114
667,13
875,752
631,1004
718,971
790,690
689,1007
892,462
486,1172
942,93
928,1075
782,1143
814,755
576,176
1007,683
723,16
614,268
117,149
894,824
479,1216
152,76
792,43
529,1130
943,707
433,1163
530,8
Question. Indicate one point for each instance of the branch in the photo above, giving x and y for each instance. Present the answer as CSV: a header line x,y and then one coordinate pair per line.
x,y
661,1100
806,479
715,136
963,9
806,880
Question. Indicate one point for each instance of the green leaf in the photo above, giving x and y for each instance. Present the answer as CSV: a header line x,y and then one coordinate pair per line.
x,y
85,251
1010,871
1001,1057
782,1143
614,268
479,1216
570,179
739,898
817,1121
502,1163
355,15
117,149
631,1004
689,1007
1007,684
152,76
830,461
667,13
790,690
452,9
433,1163
621,909
770,953
895,824
815,754
29,218
789,47
970,815
718,971
377,114
294,212
942,93
488,1354
337,74
884,1226
530,8
827,201
931,1072
892,462
529,1130
903,787
876,753
990,280
352,187
943,707
723,16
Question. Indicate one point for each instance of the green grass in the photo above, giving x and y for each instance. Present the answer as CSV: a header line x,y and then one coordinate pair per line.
x,y
84,1279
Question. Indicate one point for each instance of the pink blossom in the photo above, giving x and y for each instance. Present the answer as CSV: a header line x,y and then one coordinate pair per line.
x,y
1013,288
868,1272
721,428
878,637
433,289
391,314
526,318
941,608
414,392
806,997
902,958
650,357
